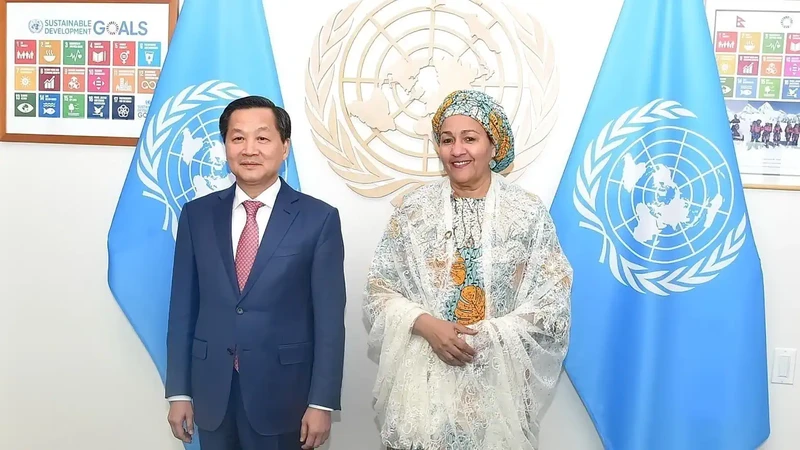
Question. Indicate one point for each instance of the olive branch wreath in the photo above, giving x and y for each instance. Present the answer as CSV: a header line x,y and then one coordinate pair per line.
x,y
362,175
152,148
585,197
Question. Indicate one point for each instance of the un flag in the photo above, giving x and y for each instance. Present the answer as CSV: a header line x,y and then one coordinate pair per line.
x,y
668,346
220,51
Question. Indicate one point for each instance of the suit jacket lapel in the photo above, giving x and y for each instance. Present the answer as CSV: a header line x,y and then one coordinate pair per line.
x,y
223,213
280,220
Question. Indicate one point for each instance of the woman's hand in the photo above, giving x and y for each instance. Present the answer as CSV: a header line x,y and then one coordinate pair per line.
x,y
444,339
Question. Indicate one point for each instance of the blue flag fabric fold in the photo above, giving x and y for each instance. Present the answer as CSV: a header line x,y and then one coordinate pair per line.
x,y
668,340
219,51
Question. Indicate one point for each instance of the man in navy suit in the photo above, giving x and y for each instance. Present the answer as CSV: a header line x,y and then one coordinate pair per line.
x,y
255,345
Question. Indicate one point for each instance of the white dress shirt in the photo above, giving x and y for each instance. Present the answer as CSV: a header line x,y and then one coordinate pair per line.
x,y
239,216
238,220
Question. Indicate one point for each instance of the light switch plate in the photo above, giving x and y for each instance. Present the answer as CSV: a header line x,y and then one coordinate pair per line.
x,y
783,365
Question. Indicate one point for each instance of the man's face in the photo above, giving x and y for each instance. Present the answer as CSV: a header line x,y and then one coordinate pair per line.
x,y
253,146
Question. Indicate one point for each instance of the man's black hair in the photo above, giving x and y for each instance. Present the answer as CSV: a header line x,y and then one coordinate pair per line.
x,y
283,122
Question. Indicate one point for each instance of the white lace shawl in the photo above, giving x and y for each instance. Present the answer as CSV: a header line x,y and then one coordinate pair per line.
x,y
493,403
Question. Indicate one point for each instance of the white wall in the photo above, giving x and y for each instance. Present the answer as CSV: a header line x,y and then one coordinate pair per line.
x,y
73,374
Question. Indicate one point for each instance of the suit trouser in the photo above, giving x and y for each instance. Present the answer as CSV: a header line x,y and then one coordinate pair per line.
x,y
235,432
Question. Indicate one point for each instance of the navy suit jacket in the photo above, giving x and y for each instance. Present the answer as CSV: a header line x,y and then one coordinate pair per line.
x,y
287,324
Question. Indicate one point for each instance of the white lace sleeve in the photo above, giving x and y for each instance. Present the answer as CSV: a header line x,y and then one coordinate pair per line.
x,y
388,313
520,354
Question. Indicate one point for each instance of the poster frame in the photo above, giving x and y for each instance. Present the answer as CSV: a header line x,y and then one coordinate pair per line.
x,y
756,181
107,140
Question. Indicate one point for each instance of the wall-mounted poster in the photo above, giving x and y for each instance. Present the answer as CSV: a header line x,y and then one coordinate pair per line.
x,y
81,72
757,48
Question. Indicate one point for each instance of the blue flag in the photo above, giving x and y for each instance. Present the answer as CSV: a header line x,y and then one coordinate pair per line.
x,y
220,51
668,340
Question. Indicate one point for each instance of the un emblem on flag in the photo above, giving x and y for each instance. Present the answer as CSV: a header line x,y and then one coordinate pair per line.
x,y
661,196
180,155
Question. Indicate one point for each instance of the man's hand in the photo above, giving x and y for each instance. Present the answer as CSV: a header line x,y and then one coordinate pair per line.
x,y
444,339
315,428
181,420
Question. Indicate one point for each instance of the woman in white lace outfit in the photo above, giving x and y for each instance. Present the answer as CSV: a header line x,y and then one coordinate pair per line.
x,y
467,299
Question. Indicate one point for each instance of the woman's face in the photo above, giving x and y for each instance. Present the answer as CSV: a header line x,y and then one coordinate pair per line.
x,y
465,150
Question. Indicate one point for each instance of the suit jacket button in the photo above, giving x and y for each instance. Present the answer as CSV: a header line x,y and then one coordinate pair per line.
x,y
239,310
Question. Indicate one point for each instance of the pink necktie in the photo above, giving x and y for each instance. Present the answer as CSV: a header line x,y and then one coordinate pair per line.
x,y
246,250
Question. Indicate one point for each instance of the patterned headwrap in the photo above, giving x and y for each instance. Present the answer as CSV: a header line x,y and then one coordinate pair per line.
x,y
488,113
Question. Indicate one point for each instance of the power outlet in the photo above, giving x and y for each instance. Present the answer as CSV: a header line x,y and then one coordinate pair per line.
x,y
783,365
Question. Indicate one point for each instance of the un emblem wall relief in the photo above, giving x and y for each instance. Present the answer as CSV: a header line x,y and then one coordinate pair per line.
x,y
378,71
